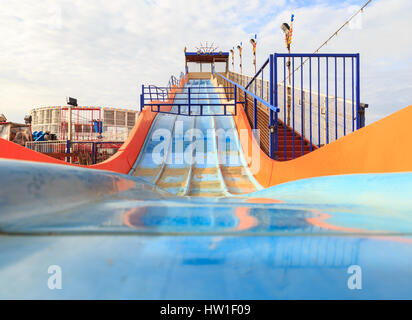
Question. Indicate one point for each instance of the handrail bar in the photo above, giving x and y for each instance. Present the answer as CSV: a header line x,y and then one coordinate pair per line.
x,y
206,87
265,103
257,73
190,104
321,55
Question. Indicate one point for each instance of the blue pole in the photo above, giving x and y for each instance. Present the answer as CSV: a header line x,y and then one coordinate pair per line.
x,y
271,88
302,109
293,105
254,113
327,100
353,99
235,96
310,103
93,153
275,103
68,149
358,122
336,100
276,135
318,102
142,98
188,97
271,79
344,97
284,104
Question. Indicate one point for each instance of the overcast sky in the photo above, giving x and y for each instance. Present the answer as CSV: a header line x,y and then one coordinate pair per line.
x,y
102,51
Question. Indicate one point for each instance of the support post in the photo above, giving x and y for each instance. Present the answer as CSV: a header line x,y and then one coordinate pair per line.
x,y
254,113
188,100
271,90
68,150
358,120
235,95
93,153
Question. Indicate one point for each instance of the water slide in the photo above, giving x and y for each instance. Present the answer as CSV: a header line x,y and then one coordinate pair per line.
x,y
288,230
215,168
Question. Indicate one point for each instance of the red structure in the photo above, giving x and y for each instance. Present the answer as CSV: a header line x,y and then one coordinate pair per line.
x,y
85,123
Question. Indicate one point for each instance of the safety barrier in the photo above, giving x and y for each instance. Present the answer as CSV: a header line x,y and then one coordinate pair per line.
x,y
79,152
191,101
53,146
310,112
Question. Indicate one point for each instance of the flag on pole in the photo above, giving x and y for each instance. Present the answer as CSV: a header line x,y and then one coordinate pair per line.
x,y
291,29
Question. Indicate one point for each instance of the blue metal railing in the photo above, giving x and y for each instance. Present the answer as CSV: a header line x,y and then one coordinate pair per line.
x,y
188,99
337,121
97,151
162,93
312,112
172,82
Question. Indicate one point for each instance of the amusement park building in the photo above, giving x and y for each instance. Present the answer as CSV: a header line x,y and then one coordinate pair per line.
x,y
116,123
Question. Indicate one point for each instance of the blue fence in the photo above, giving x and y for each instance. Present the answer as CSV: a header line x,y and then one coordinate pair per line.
x,y
318,96
81,152
161,93
192,101
312,85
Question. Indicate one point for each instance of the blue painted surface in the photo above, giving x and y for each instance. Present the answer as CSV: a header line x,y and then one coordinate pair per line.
x,y
170,267
145,243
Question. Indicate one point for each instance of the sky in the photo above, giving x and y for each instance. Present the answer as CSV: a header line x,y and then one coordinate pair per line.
x,y
101,52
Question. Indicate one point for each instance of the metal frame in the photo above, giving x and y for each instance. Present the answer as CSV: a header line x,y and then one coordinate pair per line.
x,y
313,105
151,98
356,105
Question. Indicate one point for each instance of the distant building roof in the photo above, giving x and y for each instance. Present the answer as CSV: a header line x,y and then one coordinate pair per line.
x,y
207,57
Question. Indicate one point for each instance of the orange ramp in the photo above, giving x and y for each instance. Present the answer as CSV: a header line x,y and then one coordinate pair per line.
x,y
383,146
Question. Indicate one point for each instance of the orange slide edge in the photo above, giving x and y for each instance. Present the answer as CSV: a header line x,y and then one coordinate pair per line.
x,y
381,147
121,162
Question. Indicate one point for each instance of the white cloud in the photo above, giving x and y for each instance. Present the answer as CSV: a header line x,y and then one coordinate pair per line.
x,y
102,51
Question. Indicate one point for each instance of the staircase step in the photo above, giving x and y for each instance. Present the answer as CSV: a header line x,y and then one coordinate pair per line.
x,y
289,147
290,153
